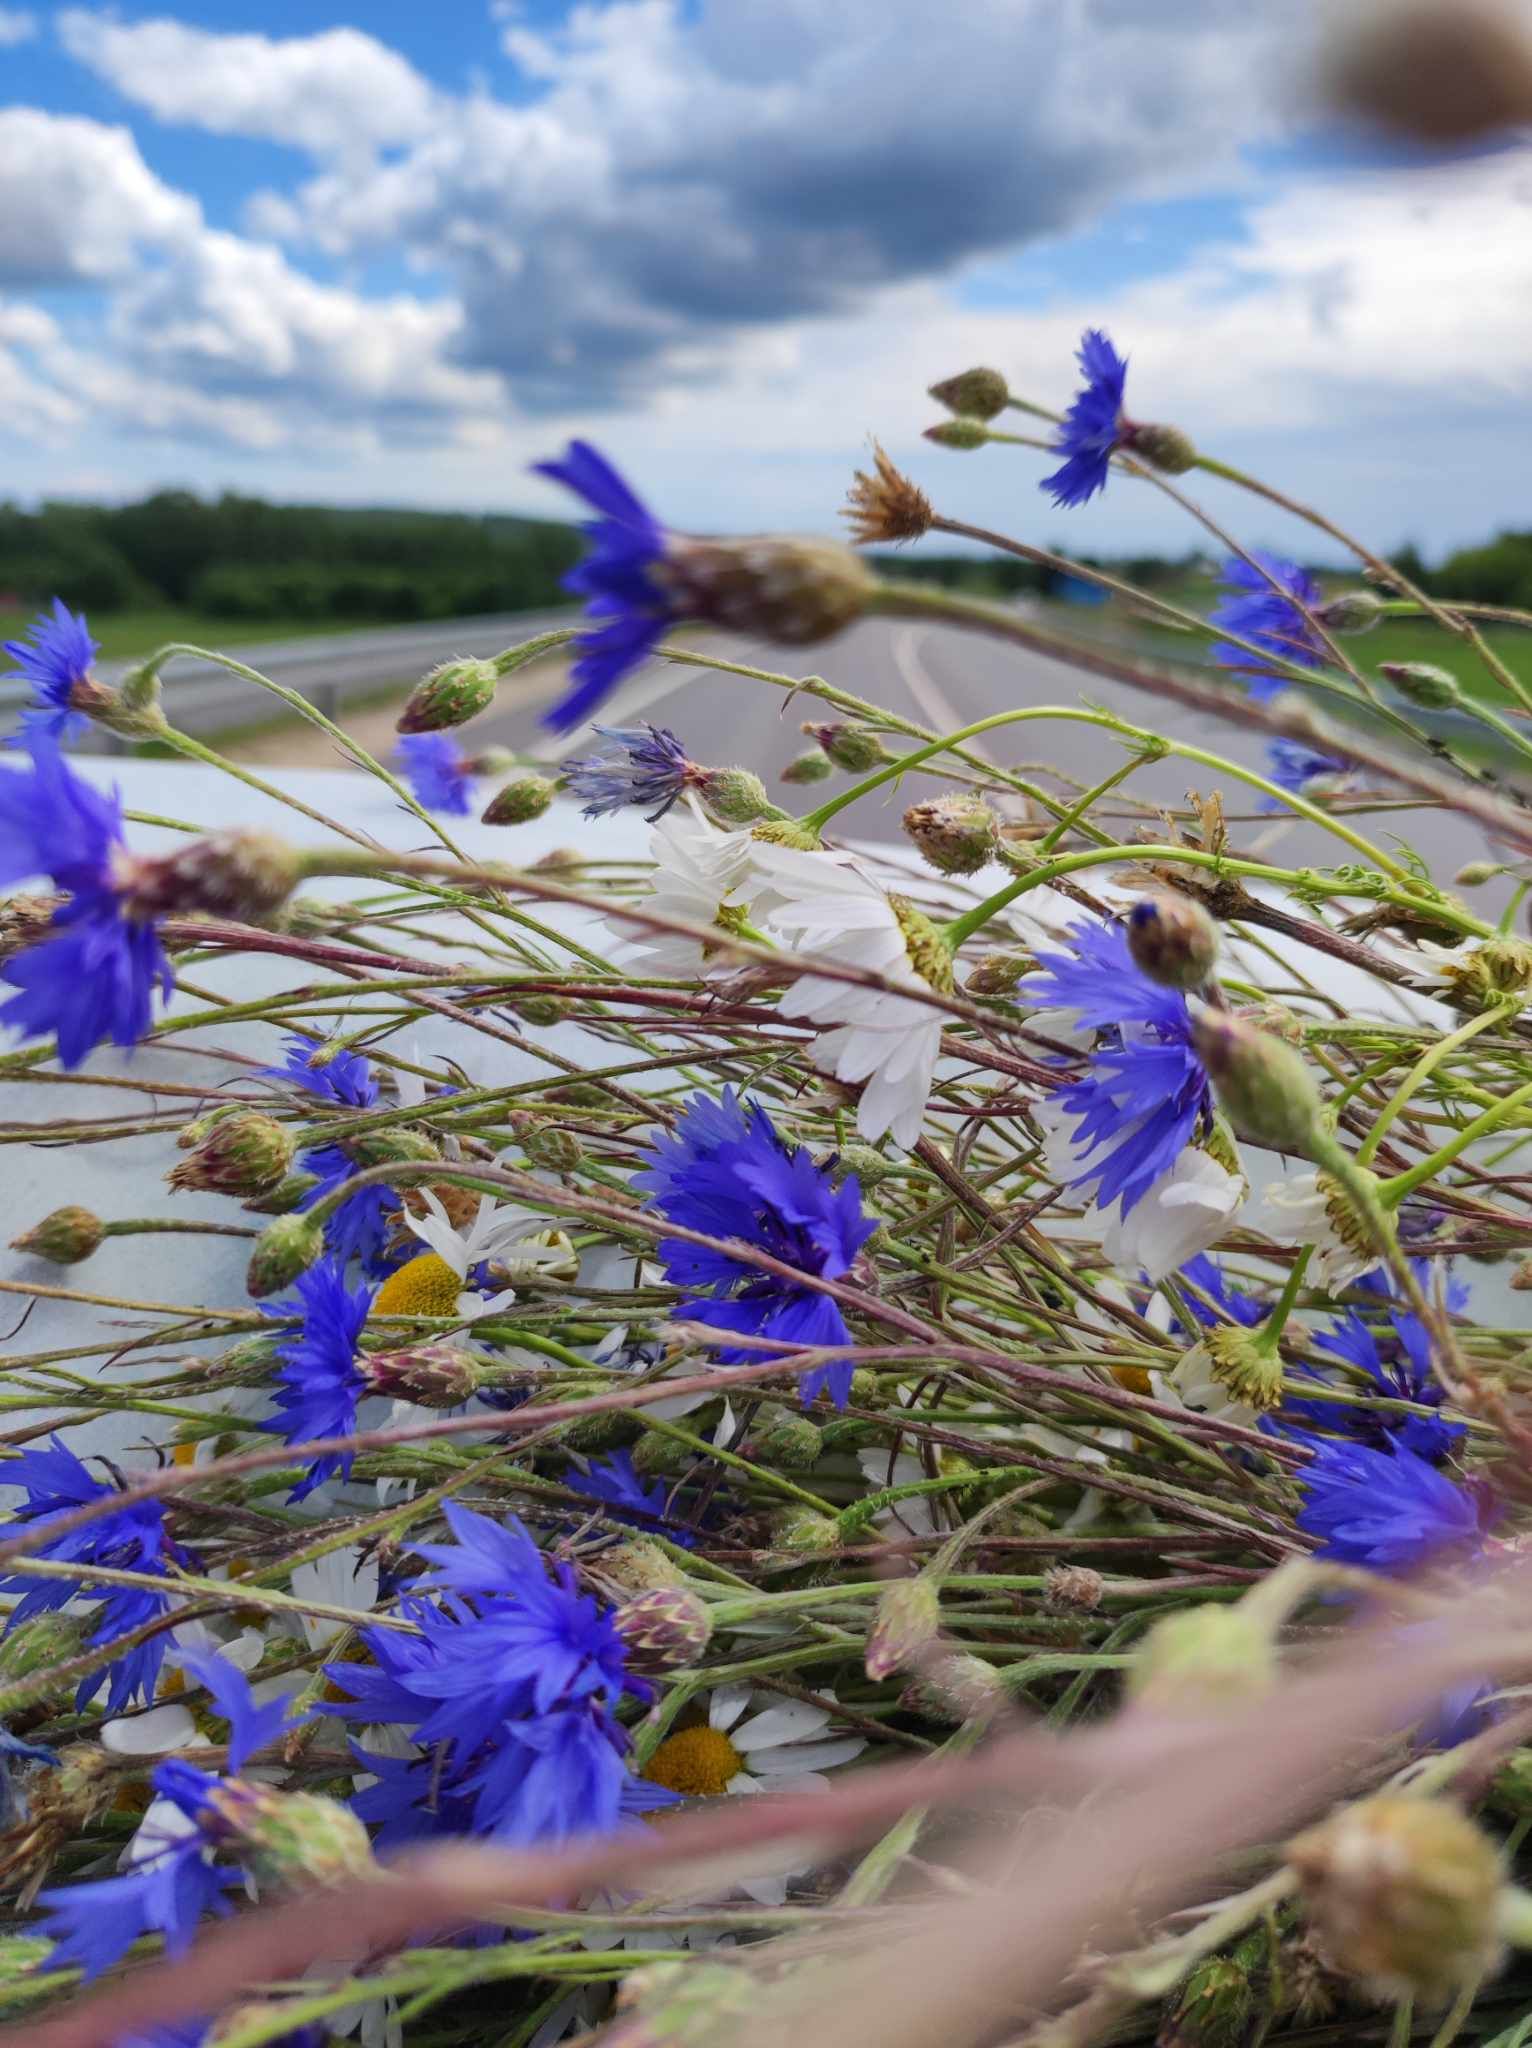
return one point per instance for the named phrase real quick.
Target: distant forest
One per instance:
(241, 558)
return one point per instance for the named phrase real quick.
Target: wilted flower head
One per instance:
(650, 767)
(724, 1171)
(54, 655)
(1261, 608)
(1092, 429)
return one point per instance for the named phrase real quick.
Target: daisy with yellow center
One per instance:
(435, 1282)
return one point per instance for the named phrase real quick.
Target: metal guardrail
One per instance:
(329, 669)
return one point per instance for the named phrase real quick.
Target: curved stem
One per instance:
(1424, 1067)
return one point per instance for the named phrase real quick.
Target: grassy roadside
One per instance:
(124, 635)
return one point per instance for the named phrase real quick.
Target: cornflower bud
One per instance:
(556, 859)
(1212, 2008)
(286, 1195)
(249, 1154)
(1403, 1894)
(778, 1436)
(1203, 1657)
(956, 1688)
(1173, 941)
(885, 506)
(1162, 447)
(1072, 1589)
(551, 1145)
(996, 974)
(36, 1643)
(736, 795)
(435, 1375)
(287, 1247)
(1264, 1086)
(665, 1627)
(958, 433)
(638, 1565)
(401, 1147)
(1423, 683)
(972, 394)
(907, 1622)
(805, 1530)
(64, 1236)
(61, 1804)
(869, 1166)
(519, 802)
(243, 875)
(541, 1010)
(449, 695)
(1475, 873)
(493, 761)
(788, 590)
(814, 766)
(292, 1841)
(856, 748)
(1353, 611)
(193, 1133)
(956, 834)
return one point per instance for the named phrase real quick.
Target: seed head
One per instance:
(1072, 1589)
(885, 506)
(247, 1154)
(956, 834)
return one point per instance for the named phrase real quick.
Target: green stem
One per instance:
(1392, 1192)
(1422, 1070)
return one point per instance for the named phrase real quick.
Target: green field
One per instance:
(126, 634)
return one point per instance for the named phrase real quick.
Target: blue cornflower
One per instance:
(724, 1171)
(1388, 1511)
(320, 1383)
(1145, 1090)
(509, 1687)
(54, 655)
(132, 1538)
(173, 1882)
(627, 608)
(437, 772)
(359, 1228)
(1206, 1291)
(1093, 428)
(1259, 613)
(1399, 1371)
(342, 1076)
(96, 978)
(613, 1482)
(1291, 765)
(655, 771)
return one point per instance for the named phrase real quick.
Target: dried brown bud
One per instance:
(1072, 1589)
(885, 506)
(1443, 72)
(26, 918)
(789, 591)
(957, 834)
(1172, 940)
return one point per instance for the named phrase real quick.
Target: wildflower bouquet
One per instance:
(783, 1316)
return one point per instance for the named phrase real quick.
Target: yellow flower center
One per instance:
(424, 1286)
(698, 1762)
(1134, 1377)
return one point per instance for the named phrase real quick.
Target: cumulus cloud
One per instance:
(676, 176)
(336, 93)
(78, 202)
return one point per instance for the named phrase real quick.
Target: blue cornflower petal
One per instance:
(1257, 612)
(344, 1076)
(320, 1384)
(1291, 765)
(627, 608)
(250, 1727)
(94, 1925)
(53, 655)
(1388, 1511)
(652, 768)
(94, 980)
(724, 1171)
(1205, 1277)
(1093, 427)
(617, 1486)
(438, 774)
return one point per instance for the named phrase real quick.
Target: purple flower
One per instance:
(725, 1172)
(1205, 1290)
(320, 1383)
(54, 655)
(1387, 1511)
(617, 1486)
(627, 608)
(1093, 427)
(131, 1538)
(1393, 1360)
(359, 1228)
(1145, 1091)
(652, 768)
(1267, 616)
(342, 1077)
(438, 774)
(95, 980)
(1291, 765)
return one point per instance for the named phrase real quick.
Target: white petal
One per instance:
(797, 1757)
(150, 1734)
(726, 1705)
(786, 1722)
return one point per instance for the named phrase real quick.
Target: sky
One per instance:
(384, 253)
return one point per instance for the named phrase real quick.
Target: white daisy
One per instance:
(827, 903)
(1192, 1382)
(513, 1239)
(1308, 1208)
(699, 874)
(341, 1578)
(754, 1742)
(1181, 1214)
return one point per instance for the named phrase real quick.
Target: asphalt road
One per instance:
(330, 669)
(943, 678)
